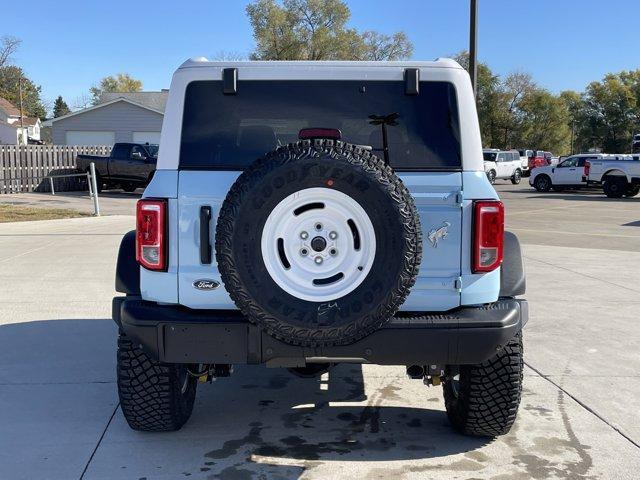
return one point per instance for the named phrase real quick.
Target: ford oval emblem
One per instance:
(206, 284)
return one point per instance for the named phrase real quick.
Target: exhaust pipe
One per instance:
(415, 372)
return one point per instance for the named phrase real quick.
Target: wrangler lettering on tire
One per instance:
(318, 243)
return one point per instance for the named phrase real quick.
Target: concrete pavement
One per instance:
(58, 401)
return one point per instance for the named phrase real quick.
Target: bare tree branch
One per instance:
(8, 46)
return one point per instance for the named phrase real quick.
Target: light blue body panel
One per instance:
(484, 287)
(443, 199)
(162, 287)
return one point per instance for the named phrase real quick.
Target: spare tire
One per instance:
(318, 243)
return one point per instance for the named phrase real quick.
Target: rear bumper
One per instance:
(175, 334)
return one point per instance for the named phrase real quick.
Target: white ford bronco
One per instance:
(305, 214)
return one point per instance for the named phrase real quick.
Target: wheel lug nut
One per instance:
(318, 260)
(333, 251)
(304, 252)
(304, 235)
(333, 235)
(318, 226)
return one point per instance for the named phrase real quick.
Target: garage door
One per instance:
(90, 138)
(146, 137)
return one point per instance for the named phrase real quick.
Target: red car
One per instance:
(540, 159)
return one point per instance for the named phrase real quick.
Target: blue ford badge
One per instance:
(205, 284)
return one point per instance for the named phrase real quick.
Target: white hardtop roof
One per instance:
(200, 62)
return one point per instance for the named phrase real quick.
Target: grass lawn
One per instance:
(20, 213)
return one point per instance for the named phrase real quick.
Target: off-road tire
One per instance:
(485, 399)
(614, 187)
(154, 397)
(632, 191)
(309, 164)
(516, 177)
(491, 175)
(542, 183)
(129, 187)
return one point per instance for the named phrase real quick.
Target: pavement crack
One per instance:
(106, 427)
(584, 405)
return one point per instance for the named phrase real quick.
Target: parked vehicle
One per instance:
(502, 165)
(525, 155)
(551, 158)
(566, 174)
(538, 160)
(130, 165)
(618, 176)
(323, 253)
(635, 144)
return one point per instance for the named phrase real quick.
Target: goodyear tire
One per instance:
(482, 400)
(154, 397)
(318, 243)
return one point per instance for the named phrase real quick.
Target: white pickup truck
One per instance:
(619, 177)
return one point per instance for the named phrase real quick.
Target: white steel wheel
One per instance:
(318, 244)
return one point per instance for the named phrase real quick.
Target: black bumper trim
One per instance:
(176, 334)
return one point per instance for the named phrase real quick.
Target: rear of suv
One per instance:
(305, 214)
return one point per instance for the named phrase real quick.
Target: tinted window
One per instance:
(231, 131)
(152, 149)
(140, 153)
(489, 156)
(120, 152)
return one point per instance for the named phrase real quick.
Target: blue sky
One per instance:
(68, 45)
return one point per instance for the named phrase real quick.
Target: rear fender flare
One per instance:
(127, 268)
(513, 280)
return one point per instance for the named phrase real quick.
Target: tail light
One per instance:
(587, 168)
(488, 235)
(151, 236)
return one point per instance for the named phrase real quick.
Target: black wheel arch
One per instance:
(127, 269)
(513, 280)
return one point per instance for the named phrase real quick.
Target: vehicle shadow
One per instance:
(262, 423)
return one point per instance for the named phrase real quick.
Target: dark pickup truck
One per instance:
(130, 165)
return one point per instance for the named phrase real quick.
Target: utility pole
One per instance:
(21, 114)
(473, 44)
(573, 126)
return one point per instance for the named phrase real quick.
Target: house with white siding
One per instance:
(15, 128)
(119, 117)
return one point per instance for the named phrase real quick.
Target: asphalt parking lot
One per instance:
(59, 415)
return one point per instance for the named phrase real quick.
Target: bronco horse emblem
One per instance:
(438, 233)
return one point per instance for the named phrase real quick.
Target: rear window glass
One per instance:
(230, 131)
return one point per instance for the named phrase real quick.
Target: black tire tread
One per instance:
(150, 392)
(490, 393)
(381, 173)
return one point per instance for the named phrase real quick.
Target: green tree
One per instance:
(60, 107)
(545, 125)
(122, 82)
(610, 112)
(10, 79)
(317, 30)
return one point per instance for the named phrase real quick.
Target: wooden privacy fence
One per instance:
(24, 168)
